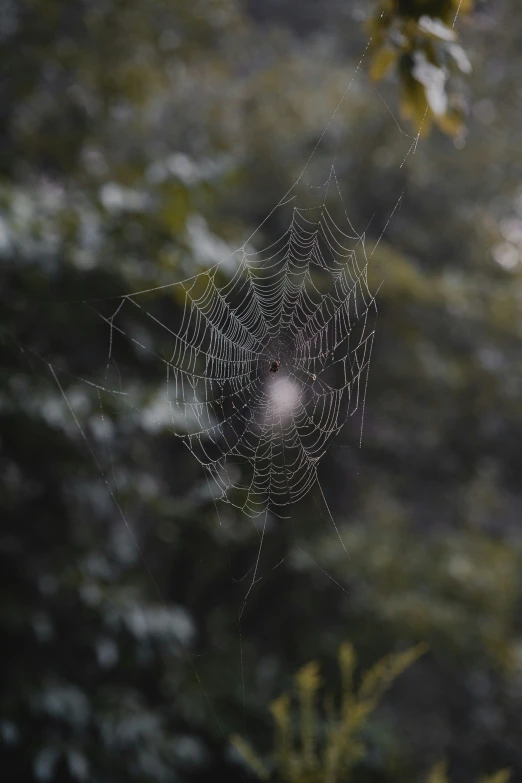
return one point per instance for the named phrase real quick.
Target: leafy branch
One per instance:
(419, 39)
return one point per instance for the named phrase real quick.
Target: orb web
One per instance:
(271, 354)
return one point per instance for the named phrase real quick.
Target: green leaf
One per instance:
(433, 79)
(438, 773)
(414, 106)
(436, 29)
(501, 776)
(382, 62)
(463, 6)
(249, 755)
(451, 123)
(460, 57)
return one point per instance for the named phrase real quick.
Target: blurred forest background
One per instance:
(140, 142)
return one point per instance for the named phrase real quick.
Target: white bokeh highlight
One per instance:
(284, 397)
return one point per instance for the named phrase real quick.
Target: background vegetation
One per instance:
(139, 142)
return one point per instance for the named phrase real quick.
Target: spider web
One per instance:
(271, 355)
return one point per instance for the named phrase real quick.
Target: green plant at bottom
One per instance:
(325, 755)
(313, 746)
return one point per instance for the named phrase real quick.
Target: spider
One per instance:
(274, 365)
